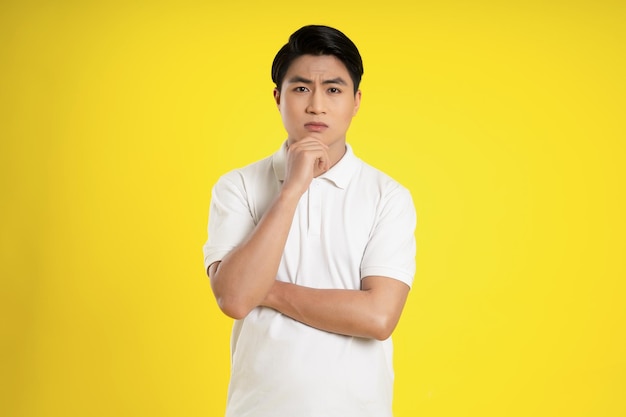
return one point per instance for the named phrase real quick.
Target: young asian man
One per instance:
(312, 251)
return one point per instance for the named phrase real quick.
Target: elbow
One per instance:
(382, 334)
(234, 307)
(382, 327)
(231, 303)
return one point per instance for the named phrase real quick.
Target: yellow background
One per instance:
(504, 119)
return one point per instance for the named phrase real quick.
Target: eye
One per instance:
(334, 90)
(301, 89)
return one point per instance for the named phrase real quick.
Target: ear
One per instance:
(357, 103)
(277, 96)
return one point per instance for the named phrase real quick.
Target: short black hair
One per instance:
(318, 40)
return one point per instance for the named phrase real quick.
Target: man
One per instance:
(312, 251)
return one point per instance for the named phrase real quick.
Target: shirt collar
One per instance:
(340, 174)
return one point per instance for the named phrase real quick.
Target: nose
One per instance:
(316, 103)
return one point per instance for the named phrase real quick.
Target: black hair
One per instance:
(318, 40)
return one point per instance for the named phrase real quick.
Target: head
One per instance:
(317, 76)
(318, 40)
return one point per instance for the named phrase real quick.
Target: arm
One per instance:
(242, 279)
(372, 312)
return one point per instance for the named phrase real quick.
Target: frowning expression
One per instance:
(317, 99)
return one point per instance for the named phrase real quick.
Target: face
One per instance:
(317, 100)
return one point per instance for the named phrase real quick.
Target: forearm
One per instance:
(242, 279)
(372, 312)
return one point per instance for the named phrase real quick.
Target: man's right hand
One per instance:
(306, 159)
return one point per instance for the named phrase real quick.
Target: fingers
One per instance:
(308, 144)
(312, 153)
(322, 164)
(306, 159)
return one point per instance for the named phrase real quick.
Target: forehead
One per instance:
(318, 66)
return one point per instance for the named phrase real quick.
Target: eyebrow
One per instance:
(298, 79)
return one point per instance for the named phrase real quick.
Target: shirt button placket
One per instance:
(315, 208)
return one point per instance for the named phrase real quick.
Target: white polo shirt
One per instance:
(354, 221)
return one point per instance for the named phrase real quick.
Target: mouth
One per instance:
(316, 126)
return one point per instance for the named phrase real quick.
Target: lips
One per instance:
(316, 126)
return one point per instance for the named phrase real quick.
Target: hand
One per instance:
(306, 159)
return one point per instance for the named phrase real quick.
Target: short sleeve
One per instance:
(230, 218)
(390, 251)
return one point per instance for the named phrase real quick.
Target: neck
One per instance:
(336, 152)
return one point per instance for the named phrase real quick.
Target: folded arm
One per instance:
(372, 312)
(242, 279)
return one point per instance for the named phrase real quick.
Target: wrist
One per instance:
(290, 195)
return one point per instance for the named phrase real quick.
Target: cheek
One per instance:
(348, 114)
(288, 110)
(288, 117)
(348, 109)
(284, 111)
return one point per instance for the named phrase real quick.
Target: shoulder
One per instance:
(374, 182)
(250, 188)
(247, 175)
